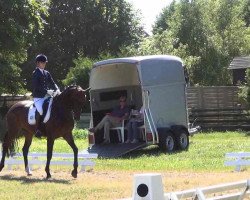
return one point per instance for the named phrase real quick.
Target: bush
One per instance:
(244, 93)
(80, 133)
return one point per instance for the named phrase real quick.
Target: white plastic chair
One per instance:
(120, 131)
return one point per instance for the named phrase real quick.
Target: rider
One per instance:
(43, 86)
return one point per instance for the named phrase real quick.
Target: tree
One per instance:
(244, 93)
(162, 21)
(246, 11)
(20, 22)
(76, 27)
(79, 73)
(206, 34)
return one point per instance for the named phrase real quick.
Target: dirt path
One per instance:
(115, 184)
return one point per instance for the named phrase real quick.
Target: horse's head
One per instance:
(76, 98)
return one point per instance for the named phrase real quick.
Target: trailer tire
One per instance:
(167, 142)
(182, 140)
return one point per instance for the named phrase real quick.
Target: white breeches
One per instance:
(39, 104)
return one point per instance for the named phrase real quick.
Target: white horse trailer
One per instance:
(155, 82)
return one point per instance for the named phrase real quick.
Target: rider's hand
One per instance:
(50, 92)
(57, 92)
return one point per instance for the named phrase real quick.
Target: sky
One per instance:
(149, 9)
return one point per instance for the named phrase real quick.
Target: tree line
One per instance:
(206, 34)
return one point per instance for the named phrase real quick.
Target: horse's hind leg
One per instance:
(4, 152)
(26, 146)
(70, 140)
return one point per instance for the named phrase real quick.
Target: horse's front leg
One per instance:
(50, 144)
(26, 147)
(69, 138)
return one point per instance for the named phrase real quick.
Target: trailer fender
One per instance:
(177, 128)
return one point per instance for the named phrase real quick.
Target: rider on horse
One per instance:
(43, 86)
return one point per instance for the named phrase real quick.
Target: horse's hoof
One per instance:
(29, 174)
(1, 167)
(74, 173)
(28, 171)
(48, 176)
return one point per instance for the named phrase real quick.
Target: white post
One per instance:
(148, 187)
(199, 194)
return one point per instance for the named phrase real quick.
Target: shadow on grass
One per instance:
(153, 150)
(29, 180)
(247, 134)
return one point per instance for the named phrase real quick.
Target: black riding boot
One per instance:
(38, 133)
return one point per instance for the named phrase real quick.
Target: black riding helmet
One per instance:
(41, 58)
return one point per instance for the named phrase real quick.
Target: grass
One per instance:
(206, 153)
(112, 178)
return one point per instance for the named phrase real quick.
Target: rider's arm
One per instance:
(52, 82)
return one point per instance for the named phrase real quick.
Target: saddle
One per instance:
(47, 105)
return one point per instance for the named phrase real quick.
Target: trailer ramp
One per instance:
(114, 150)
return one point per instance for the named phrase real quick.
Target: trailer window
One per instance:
(113, 95)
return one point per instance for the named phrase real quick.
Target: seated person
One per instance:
(113, 119)
(133, 124)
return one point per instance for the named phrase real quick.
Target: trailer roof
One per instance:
(137, 59)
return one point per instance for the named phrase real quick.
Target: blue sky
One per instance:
(149, 9)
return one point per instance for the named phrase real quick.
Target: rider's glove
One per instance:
(50, 92)
(57, 92)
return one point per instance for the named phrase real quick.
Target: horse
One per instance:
(66, 108)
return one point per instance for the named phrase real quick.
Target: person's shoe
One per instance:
(92, 130)
(127, 141)
(134, 141)
(38, 134)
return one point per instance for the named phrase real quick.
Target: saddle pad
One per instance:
(47, 116)
(32, 115)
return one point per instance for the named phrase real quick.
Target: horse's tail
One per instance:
(9, 144)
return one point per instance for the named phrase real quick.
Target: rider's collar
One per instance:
(41, 70)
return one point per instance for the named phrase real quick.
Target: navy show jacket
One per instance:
(41, 83)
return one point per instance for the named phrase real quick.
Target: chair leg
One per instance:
(119, 135)
(143, 134)
(122, 133)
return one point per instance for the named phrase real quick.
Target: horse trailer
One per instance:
(158, 83)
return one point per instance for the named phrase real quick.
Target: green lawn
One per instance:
(202, 164)
(206, 153)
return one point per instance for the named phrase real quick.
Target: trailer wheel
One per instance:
(182, 140)
(167, 142)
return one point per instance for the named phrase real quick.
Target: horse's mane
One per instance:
(60, 96)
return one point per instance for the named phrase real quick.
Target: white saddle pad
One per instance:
(47, 116)
(32, 113)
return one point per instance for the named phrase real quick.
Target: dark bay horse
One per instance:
(65, 108)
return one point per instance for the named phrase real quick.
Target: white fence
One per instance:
(216, 192)
(150, 187)
(84, 159)
(237, 159)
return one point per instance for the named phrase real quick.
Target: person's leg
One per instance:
(136, 130)
(106, 136)
(39, 105)
(38, 102)
(129, 131)
(100, 125)
(107, 122)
